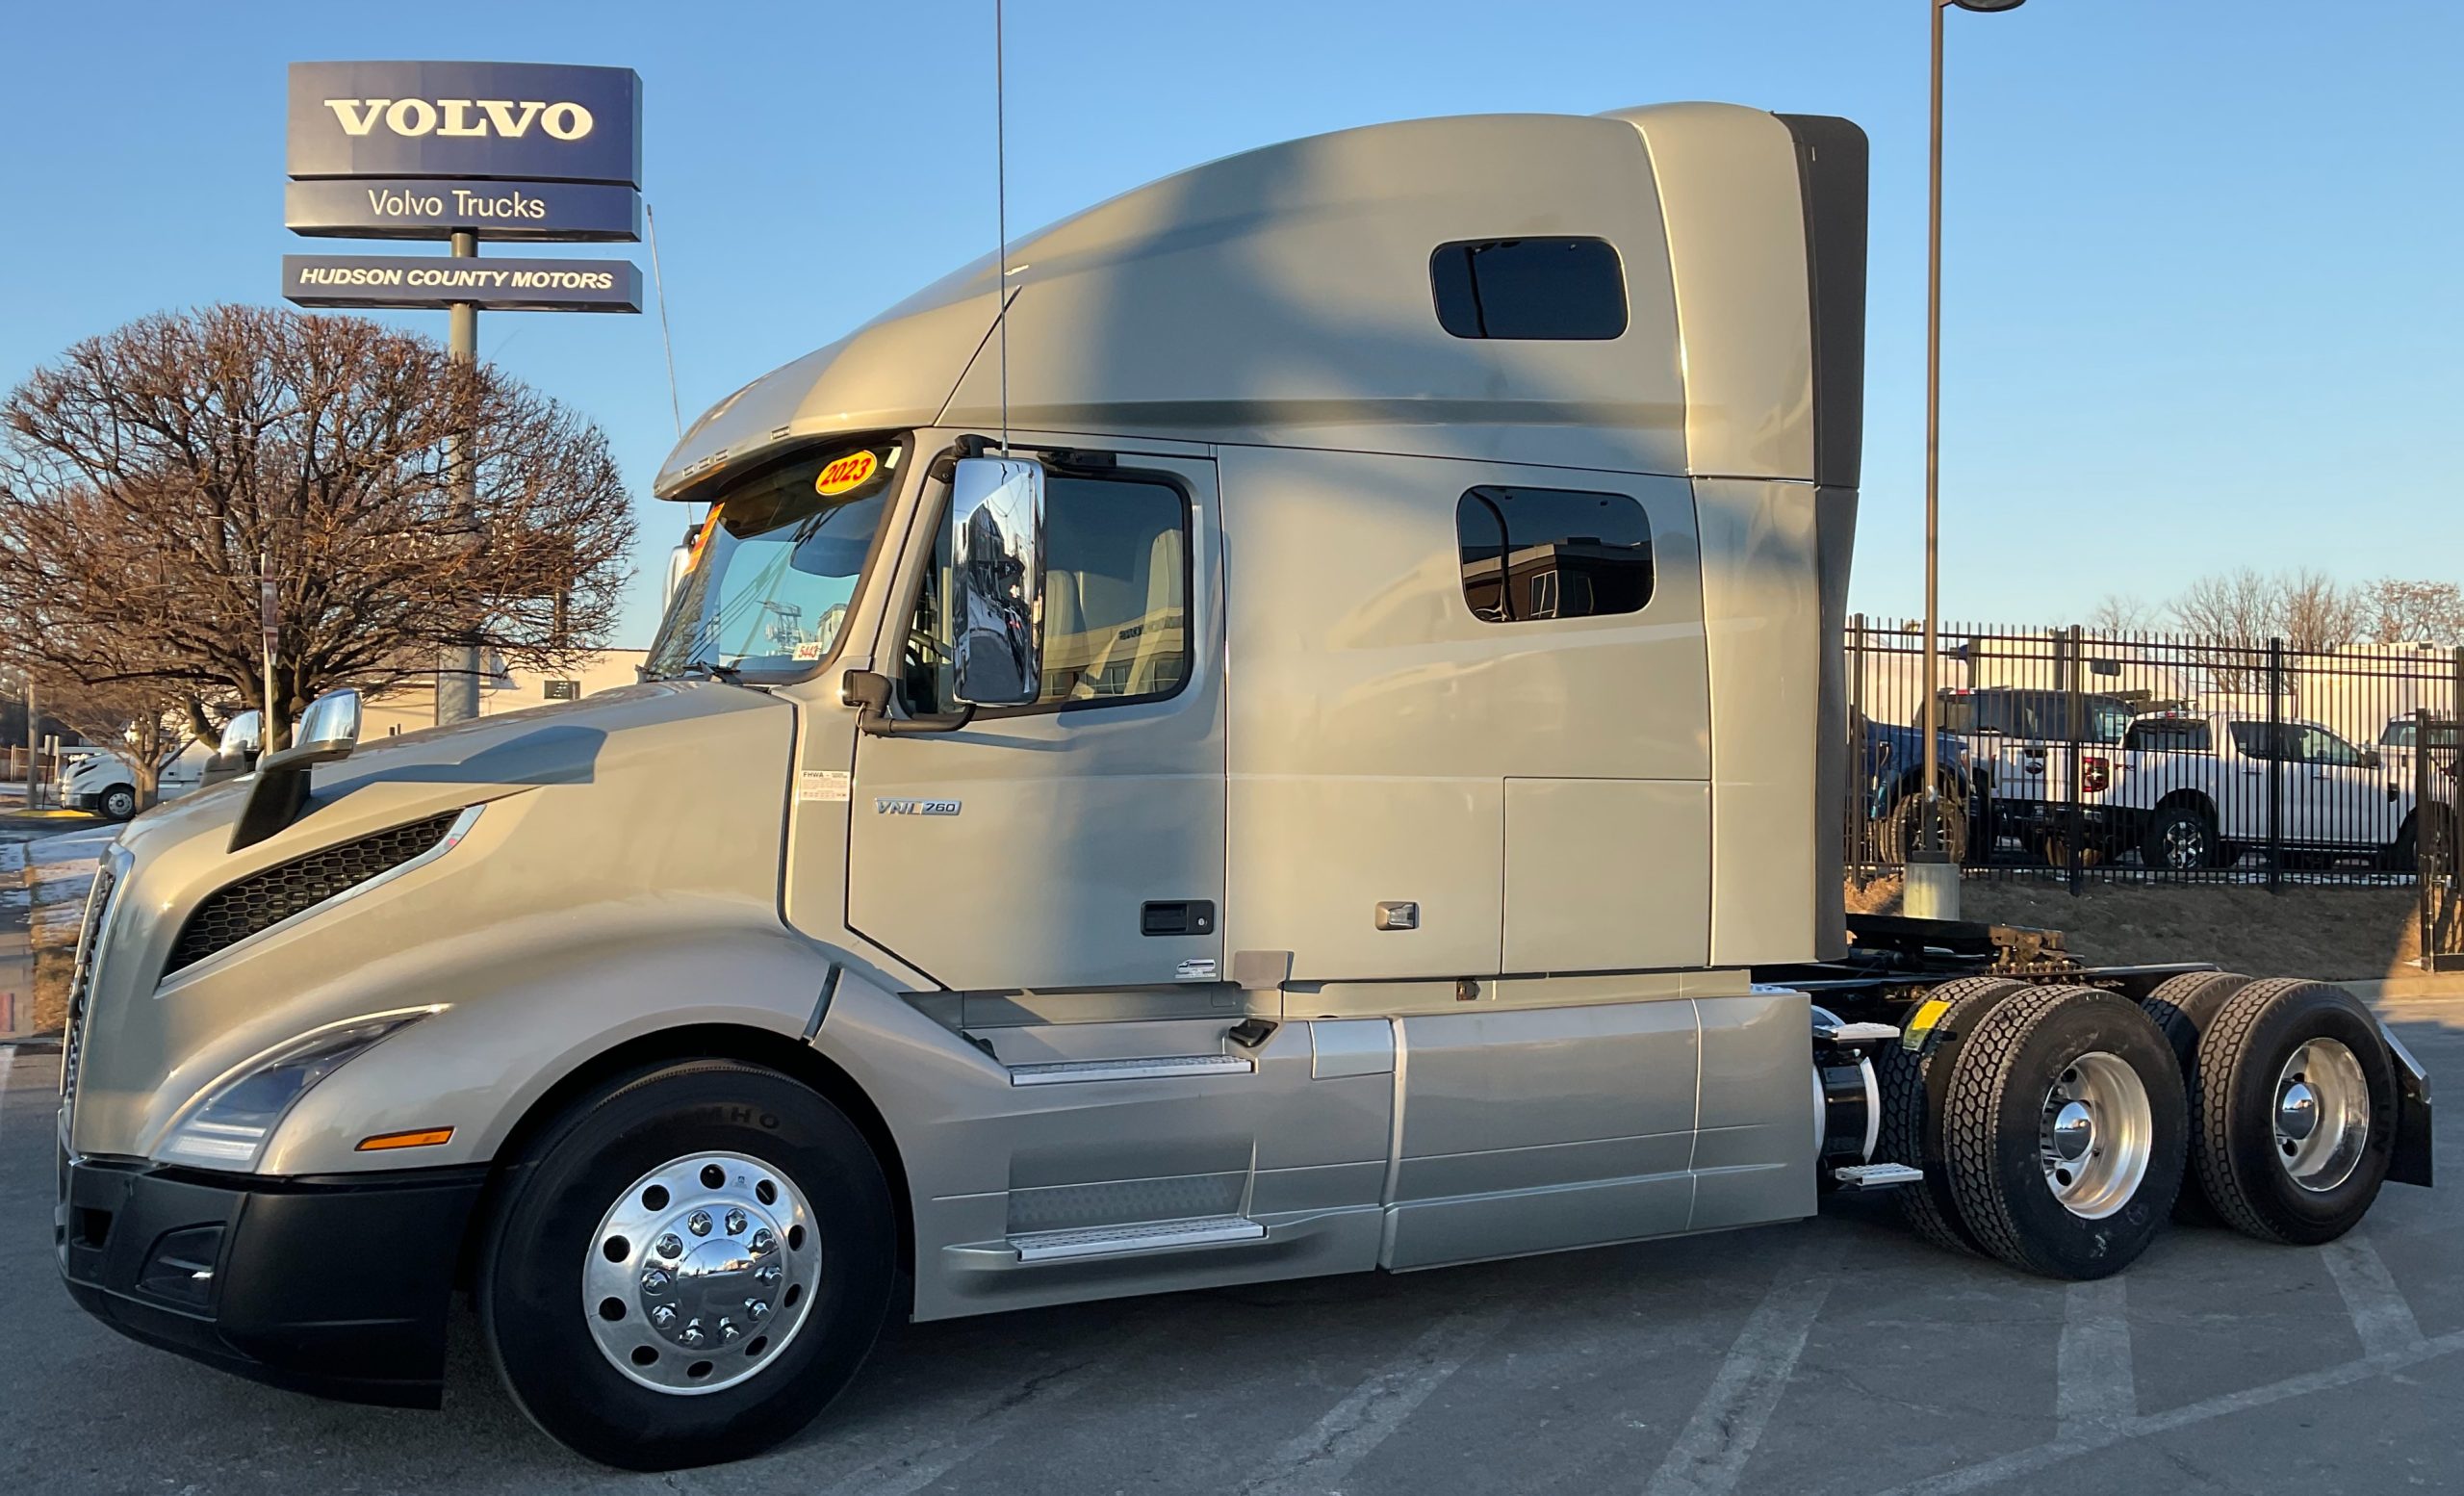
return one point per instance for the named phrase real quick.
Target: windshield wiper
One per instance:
(713, 669)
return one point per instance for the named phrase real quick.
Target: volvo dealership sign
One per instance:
(515, 121)
(530, 153)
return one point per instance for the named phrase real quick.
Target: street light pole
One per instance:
(1932, 883)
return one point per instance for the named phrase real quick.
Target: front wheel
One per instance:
(687, 1266)
(117, 803)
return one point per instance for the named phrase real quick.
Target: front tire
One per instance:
(2295, 1098)
(2065, 1133)
(117, 803)
(687, 1193)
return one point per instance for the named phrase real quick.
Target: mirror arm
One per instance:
(280, 791)
(868, 691)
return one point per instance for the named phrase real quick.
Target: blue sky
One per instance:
(2201, 302)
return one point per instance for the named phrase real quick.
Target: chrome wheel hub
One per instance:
(700, 1272)
(2096, 1136)
(2185, 846)
(2321, 1115)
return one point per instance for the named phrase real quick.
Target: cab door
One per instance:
(1076, 841)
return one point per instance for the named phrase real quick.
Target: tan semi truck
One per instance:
(1299, 730)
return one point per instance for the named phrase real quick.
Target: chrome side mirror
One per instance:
(330, 726)
(243, 736)
(996, 580)
(680, 562)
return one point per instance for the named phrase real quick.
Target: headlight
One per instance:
(228, 1126)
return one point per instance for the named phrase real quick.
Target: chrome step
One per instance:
(1105, 1241)
(1876, 1176)
(1155, 1067)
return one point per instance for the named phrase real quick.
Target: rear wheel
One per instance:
(2181, 840)
(1900, 829)
(688, 1265)
(2065, 1133)
(2183, 1006)
(2404, 853)
(2294, 1097)
(1907, 1135)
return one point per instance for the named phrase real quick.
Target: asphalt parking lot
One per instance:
(1831, 1357)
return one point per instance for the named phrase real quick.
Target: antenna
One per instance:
(675, 407)
(1001, 217)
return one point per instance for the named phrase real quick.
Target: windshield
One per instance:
(777, 564)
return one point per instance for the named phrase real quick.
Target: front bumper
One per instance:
(337, 1286)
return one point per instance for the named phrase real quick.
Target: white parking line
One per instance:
(1319, 1458)
(2094, 1385)
(2381, 1316)
(2087, 1440)
(1711, 1449)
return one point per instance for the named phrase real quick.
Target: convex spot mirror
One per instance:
(330, 726)
(996, 580)
(243, 736)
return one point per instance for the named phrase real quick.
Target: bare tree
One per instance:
(149, 473)
(2316, 612)
(2413, 612)
(2122, 612)
(2233, 614)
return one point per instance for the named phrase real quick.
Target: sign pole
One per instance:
(269, 627)
(457, 675)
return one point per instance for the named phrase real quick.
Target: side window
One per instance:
(2253, 741)
(2169, 736)
(2317, 745)
(1115, 606)
(1564, 289)
(1532, 553)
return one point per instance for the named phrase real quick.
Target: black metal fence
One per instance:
(2083, 755)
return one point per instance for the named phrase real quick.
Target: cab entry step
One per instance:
(1104, 1240)
(1153, 1067)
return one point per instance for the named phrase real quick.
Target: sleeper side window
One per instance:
(1116, 604)
(1533, 553)
(1564, 289)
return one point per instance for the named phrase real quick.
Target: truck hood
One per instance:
(665, 789)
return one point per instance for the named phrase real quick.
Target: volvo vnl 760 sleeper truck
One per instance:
(1342, 770)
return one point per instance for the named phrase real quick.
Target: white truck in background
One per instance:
(104, 782)
(2194, 789)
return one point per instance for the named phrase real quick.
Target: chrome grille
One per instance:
(81, 975)
(262, 900)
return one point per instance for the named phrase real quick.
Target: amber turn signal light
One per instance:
(418, 1137)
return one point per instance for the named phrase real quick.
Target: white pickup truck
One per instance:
(2191, 790)
(106, 781)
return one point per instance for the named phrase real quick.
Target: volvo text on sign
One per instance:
(434, 208)
(514, 122)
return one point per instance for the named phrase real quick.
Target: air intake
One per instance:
(260, 901)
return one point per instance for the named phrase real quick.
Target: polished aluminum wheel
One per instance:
(2096, 1134)
(2321, 1115)
(700, 1272)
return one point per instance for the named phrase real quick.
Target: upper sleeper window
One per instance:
(1529, 287)
(1552, 552)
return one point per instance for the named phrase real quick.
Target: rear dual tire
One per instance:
(2294, 1094)
(2065, 1133)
